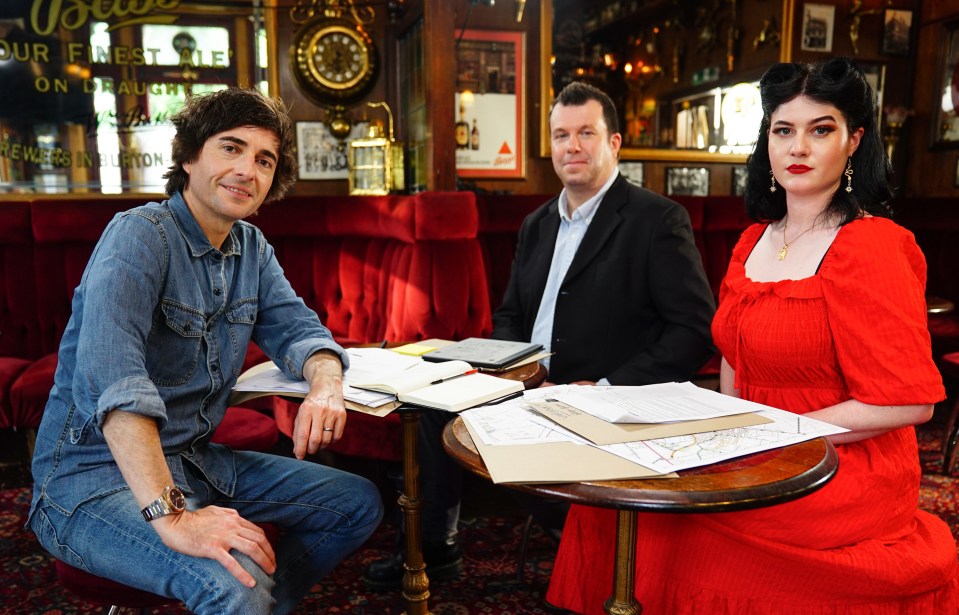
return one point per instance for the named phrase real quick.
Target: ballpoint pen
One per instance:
(504, 398)
(467, 373)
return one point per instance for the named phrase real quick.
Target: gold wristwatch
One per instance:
(171, 502)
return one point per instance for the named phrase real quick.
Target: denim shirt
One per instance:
(160, 326)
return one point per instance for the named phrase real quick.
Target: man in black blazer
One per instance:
(632, 306)
(607, 277)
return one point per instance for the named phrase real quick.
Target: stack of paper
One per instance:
(554, 435)
(378, 380)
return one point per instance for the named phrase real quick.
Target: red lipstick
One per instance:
(798, 169)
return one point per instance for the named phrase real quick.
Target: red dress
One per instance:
(855, 329)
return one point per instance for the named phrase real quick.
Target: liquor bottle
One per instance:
(474, 136)
(462, 131)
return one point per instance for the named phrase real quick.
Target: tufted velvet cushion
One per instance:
(500, 217)
(10, 370)
(17, 283)
(366, 436)
(724, 220)
(244, 429)
(29, 393)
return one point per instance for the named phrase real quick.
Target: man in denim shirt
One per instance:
(128, 485)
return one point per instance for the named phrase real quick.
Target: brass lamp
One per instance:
(376, 161)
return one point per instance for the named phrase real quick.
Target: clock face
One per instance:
(334, 61)
(340, 58)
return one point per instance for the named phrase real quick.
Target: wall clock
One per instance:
(334, 61)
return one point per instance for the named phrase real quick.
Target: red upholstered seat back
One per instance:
(17, 283)
(500, 217)
(724, 220)
(936, 226)
(65, 232)
(399, 268)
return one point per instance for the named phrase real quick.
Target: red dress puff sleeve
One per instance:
(873, 283)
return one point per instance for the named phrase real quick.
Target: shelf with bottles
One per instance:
(715, 118)
(721, 119)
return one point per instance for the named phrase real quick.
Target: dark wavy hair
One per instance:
(841, 83)
(578, 93)
(206, 115)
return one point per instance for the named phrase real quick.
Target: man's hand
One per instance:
(322, 416)
(212, 532)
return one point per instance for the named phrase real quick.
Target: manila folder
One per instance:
(556, 462)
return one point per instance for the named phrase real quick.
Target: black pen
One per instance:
(504, 398)
(472, 371)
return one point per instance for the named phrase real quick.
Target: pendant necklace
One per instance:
(783, 250)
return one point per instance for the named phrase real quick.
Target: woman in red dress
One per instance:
(821, 313)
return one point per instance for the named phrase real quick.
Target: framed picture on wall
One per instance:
(689, 181)
(490, 104)
(739, 181)
(945, 99)
(896, 32)
(818, 23)
(320, 155)
(633, 171)
(876, 77)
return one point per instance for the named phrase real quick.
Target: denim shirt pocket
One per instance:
(176, 338)
(241, 316)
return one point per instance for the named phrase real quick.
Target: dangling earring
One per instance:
(848, 174)
(772, 181)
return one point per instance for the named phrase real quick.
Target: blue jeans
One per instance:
(323, 514)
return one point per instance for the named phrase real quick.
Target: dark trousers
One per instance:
(441, 486)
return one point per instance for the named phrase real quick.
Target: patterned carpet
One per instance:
(28, 583)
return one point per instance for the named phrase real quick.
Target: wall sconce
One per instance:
(376, 161)
(895, 119)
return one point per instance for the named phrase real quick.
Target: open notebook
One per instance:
(452, 386)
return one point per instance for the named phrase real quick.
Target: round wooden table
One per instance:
(761, 479)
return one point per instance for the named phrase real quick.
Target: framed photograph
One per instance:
(876, 77)
(689, 181)
(739, 181)
(320, 155)
(490, 103)
(818, 23)
(896, 32)
(633, 171)
(945, 112)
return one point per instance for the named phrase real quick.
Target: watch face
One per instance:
(334, 60)
(177, 499)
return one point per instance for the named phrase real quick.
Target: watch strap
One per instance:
(162, 506)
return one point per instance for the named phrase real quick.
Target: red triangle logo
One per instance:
(505, 148)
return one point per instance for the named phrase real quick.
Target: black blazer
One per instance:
(634, 306)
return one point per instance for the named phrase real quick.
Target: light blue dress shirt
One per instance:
(572, 229)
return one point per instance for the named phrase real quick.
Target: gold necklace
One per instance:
(783, 250)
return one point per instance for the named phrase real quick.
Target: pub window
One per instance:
(86, 106)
